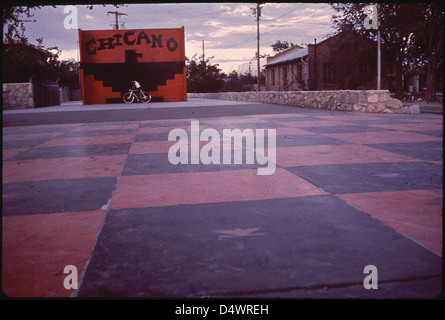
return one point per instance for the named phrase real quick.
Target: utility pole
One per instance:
(257, 12)
(116, 15)
(203, 54)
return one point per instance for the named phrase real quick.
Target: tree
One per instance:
(67, 73)
(242, 82)
(409, 31)
(22, 60)
(428, 42)
(203, 76)
(280, 46)
(13, 23)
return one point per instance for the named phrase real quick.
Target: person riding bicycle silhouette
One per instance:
(136, 86)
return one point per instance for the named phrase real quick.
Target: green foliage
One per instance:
(238, 83)
(13, 23)
(280, 46)
(203, 76)
(411, 35)
(22, 60)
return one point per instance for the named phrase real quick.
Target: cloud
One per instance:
(231, 31)
(239, 10)
(228, 29)
(69, 55)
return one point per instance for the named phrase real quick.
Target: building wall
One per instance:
(281, 77)
(338, 63)
(18, 95)
(110, 59)
(344, 61)
(373, 101)
(290, 76)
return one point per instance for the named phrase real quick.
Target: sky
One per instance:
(229, 30)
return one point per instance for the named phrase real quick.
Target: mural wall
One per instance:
(110, 59)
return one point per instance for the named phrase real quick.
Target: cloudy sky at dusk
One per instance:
(227, 29)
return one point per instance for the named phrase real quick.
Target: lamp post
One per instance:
(379, 58)
(372, 22)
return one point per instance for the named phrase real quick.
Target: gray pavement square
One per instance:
(427, 150)
(247, 248)
(343, 129)
(158, 163)
(18, 144)
(433, 133)
(56, 196)
(373, 177)
(307, 140)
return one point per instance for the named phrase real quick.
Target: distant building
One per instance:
(343, 61)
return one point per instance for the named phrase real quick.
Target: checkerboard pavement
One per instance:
(349, 190)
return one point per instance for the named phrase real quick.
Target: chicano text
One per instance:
(129, 38)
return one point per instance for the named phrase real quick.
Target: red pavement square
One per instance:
(36, 249)
(30, 136)
(334, 154)
(281, 115)
(415, 213)
(151, 147)
(166, 121)
(252, 120)
(12, 152)
(208, 187)
(35, 131)
(107, 127)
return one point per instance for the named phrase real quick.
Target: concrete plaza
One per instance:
(92, 187)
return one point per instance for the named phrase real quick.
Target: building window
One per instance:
(299, 73)
(328, 73)
(273, 77)
(285, 78)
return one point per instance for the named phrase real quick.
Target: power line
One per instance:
(237, 44)
(116, 15)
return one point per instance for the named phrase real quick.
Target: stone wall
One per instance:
(18, 96)
(375, 101)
